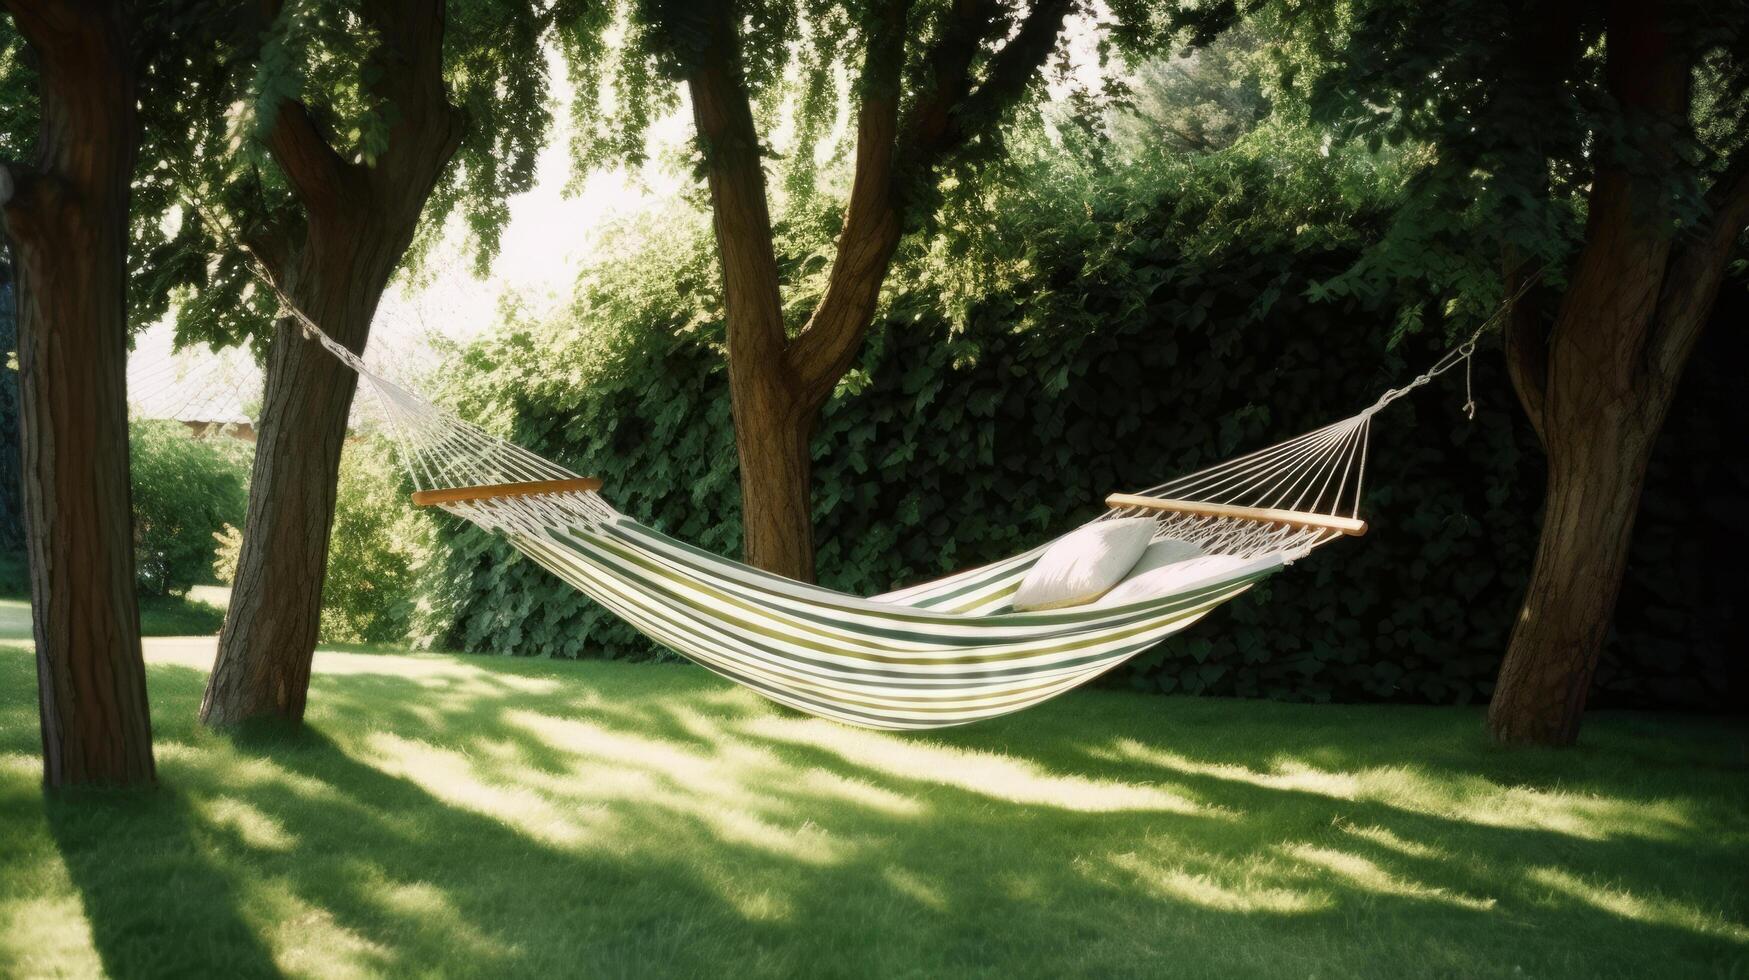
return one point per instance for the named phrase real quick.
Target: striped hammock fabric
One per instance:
(943, 653)
(946, 654)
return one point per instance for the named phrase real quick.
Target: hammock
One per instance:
(944, 653)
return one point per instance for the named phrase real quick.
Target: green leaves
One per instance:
(380, 550)
(185, 492)
(1126, 349)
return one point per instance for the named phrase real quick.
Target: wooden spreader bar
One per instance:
(1265, 515)
(493, 491)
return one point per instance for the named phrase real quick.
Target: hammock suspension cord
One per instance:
(942, 653)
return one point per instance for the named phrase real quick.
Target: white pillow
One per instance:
(1083, 564)
(1162, 553)
(1165, 580)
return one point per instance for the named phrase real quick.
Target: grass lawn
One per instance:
(196, 615)
(469, 816)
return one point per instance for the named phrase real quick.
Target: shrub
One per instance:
(185, 490)
(228, 551)
(376, 551)
(1116, 335)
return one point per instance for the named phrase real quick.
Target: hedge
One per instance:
(1116, 348)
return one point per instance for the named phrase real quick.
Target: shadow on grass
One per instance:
(524, 817)
(156, 903)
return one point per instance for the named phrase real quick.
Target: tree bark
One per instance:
(1599, 391)
(360, 221)
(777, 384)
(1596, 470)
(67, 221)
(771, 431)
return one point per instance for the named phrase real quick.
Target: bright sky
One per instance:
(550, 237)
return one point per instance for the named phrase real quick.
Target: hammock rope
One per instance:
(942, 653)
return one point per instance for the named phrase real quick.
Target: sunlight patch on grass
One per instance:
(44, 932)
(1654, 910)
(1250, 893)
(1480, 801)
(1383, 837)
(1367, 875)
(720, 789)
(833, 786)
(1287, 774)
(18, 764)
(213, 760)
(808, 843)
(1472, 799)
(451, 777)
(987, 774)
(763, 905)
(255, 828)
(913, 886)
(306, 939)
(427, 908)
(728, 774)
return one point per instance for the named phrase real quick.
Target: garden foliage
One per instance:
(185, 491)
(376, 551)
(1106, 332)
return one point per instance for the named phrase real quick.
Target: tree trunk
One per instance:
(772, 433)
(1599, 387)
(67, 219)
(1596, 470)
(777, 384)
(776, 487)
(360, 221)
(270, 631)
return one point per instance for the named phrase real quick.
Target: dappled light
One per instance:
(1226, 893)
(974, 489)
(511, 816)
(986, 774)
(1369, 876)
(1652, 909)
(1462, 797)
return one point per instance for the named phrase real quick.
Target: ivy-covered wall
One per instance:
(1109, 357)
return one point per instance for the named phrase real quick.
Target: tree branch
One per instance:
(408, 65)
(954, 112)
(950, 63)
(892, 170)
(824, 349)
(723, 120)
(1011, 71)
(1697, 269)
(317, 173)
(1527, 341)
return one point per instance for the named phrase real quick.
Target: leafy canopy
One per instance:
(212, 73)
(1504, 109)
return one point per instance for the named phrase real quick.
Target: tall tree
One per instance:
(357, 221)
(1598, 383)
(367, 122)
(1605, 143)
(65, 215)
(935, 85)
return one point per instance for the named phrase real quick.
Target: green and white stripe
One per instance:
(945, 653)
